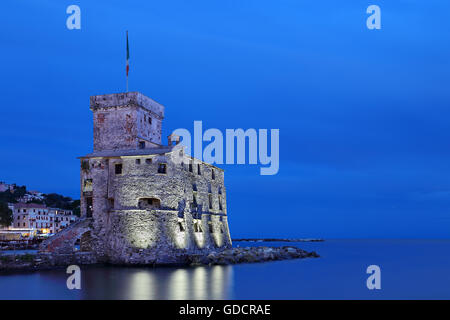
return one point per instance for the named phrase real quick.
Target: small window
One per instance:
(220, 190)
(118, 168)
(220, 203)
(87, 187)
(194, 199)
(141, 144)
(148, 161)
(190, 167)
(209, 188)
(198, 169)
(194, 187)
(210, 201)
(111, 203)
(162, 168)
(211, 229)
(138, 161)
(180, 225)
(150, 120)
(213, 175)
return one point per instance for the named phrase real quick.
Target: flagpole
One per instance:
(128, 58)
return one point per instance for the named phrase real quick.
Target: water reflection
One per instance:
(158, 283)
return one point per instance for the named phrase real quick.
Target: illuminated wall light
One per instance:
(217, 235)
(180, 237)
(199, 236)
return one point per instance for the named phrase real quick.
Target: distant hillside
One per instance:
(53, 200)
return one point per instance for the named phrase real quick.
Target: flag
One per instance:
(128, 56)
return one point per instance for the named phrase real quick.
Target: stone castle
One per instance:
(142, 202)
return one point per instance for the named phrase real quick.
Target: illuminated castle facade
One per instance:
(142, 202)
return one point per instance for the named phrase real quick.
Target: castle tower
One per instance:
(142, 202)
(126, 121)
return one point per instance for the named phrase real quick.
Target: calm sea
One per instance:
(410, 269)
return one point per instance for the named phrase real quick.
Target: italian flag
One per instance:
(128, 56)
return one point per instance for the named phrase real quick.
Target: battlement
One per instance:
(125, 99)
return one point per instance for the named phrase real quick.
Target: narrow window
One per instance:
(209, 188)
(213, 175)
(118, 168)
(210, 200)
(220, 190)
(162, 168)
(87, 187)
(198, 169)
(89, 207)
(211, 229)
(194, 199)
(148, 161)
(194, 187)
(111, 203)
(220, 203)
(149, 120)
(180, 225)
(138, 161)
(141, 144)
(190, 167)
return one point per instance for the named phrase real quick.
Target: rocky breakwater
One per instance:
(252, 255)
(43, 261)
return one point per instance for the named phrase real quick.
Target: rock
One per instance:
(252, 255)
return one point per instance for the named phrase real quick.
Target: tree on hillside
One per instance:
(75, 206)
(54, 200)
(6, 216)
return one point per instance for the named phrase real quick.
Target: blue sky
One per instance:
(363, 114)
